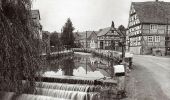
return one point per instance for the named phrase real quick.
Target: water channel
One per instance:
(80, 66)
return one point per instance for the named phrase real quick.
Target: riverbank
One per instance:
(57, 55)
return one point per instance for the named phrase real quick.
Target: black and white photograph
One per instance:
(84, 49)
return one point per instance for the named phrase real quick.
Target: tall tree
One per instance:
(18, 47)
(67, 36)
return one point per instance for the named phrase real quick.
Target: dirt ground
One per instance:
(149, 79)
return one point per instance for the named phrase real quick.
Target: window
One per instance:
(153, 27)
(157, 38)
(150, 38)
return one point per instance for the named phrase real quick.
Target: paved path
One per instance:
(150, 78)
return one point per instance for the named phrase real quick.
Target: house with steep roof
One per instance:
(149, 27)
(108, 38)
(87, 39)
(93, 40)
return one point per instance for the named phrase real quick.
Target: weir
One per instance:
(13, 96)
(68, 87)
(72, 95)
(78, 78)
(75, 80)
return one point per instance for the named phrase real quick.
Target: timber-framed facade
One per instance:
(149, 27)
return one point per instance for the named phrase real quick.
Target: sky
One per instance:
(86, 15)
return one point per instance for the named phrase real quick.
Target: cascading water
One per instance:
(13, 96)
(72, 95)
(68, 87)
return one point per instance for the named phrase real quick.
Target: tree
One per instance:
(122, 30)
(67, 37)
(55, 41)
(19, 52)
(46, 42)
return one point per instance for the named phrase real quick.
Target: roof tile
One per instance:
(153, 12)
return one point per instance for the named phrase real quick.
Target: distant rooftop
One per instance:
(105, 30)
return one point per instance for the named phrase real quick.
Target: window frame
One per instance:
(150, 37)
(157, 38)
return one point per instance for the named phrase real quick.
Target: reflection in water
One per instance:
(67, 66)
(81, 66)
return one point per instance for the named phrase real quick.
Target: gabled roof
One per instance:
(153, 12)
(83, 34)
(105, 31)
(76, 36)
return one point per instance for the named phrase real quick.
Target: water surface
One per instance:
(83, 65)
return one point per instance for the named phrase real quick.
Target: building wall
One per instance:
(106, 41)
(93, 44)
(145, 37)
(93, 40)
(152, 36)
(85, 44)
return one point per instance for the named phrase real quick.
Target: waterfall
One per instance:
(72, 95)
(13, 96)
(50, 94)
(68, 87)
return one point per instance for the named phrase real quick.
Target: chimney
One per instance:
(113, 25)
(157, 0)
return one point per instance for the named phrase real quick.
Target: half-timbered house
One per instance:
(108, 38)
(149, 27)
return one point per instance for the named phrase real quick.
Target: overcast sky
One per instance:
(85, 14)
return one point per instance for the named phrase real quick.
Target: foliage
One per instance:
(122, 30)
(68, 66)
(55, 41)
(45, 42)
(19, 53)
(67, 37)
